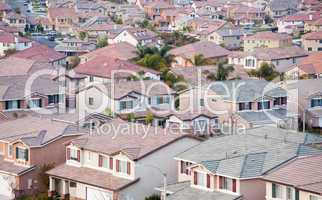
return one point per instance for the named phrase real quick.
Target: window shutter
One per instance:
(297, 194)
(111, 163)
(68, 154)
(273, 190)
(195, 178)
(128, 168)
(208, 181)
(100, 160)
(181, 166)
(220, 182)
(117, 165)
(234, 185)
(26, 154)
(17, 152)
(78, 155)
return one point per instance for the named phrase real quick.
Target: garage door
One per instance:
(6, 183)
(96, 194)
(320, 121)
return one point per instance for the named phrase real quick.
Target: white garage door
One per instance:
(95, 194)
(320, 121)
(6, 184)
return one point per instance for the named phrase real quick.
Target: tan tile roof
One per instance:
(91, 176)
(303, 172)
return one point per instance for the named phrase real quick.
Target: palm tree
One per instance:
(153, 61)
(223, 72)
(198, 60)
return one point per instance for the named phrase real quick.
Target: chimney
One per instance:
(310, 17)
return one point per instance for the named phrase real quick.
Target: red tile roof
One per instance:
(122, 51)
(266, 35)
(313, 36)
(105, 66)
(40, 52)
(6, 37)
(312, 64)
(206, 48)
(303, 173)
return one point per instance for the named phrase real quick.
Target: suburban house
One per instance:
(234, 164)
(248, 102)
(281, 8)
(243, 15)
(230, 38)
(154, 9)
(312, 26)
(15, 95)
(105, 69)
(123, 98)
(312, 41)
(75, 46)
(284, 182)
(26, 145)
(15, 20)
(130, 164)
(8, 41)
(281, 58)
(135, 36)
(306, 101)
(183, 56)
(62, 19)
(294, 23)
(197, 123)
(267, 40)
(40, 52)
(308, 67)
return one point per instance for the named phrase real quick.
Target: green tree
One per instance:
(130, 117)
(199, 60)
(223, 72)
(102, 42)
(153, 61)
(153, 197)
(149, 118)
(266, 71)
(43, 177)
(9, 52)
(72, 62)
(82, 35)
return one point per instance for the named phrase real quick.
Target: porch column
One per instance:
(65, 189)
(51, 186)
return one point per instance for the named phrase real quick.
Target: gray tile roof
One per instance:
(247, 90)
(13, 87)
(264, 117)
(183, 191)
(251, 154)
(37, 131)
